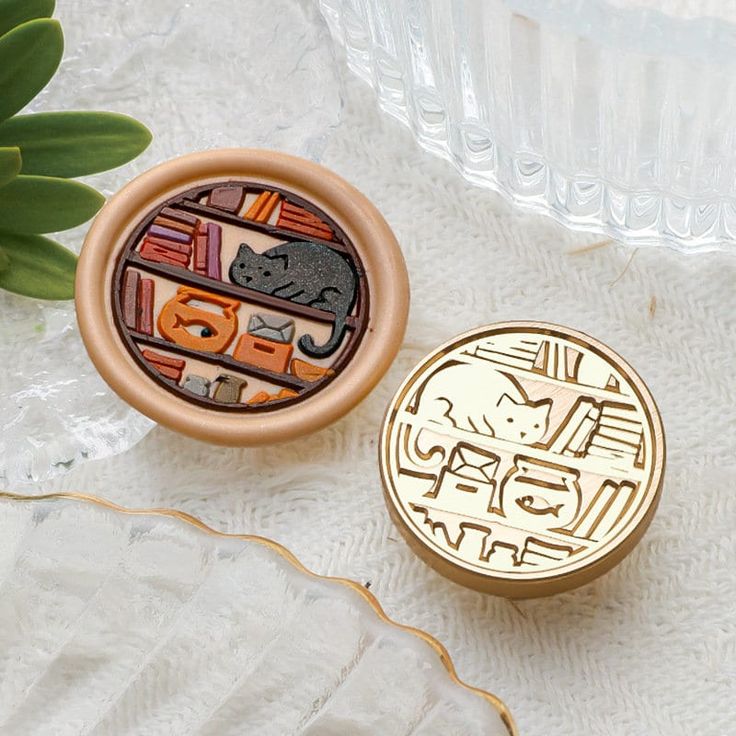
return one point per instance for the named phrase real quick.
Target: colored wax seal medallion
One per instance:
(241, 296)
(522, 459)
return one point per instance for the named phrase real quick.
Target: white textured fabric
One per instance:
(650, 648)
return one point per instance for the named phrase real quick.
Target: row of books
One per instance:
(174, 237)
(270, 208)
(546, 358)
(607, 429)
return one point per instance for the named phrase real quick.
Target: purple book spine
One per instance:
(157, 231)
(214, 241)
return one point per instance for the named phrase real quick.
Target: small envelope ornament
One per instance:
(473, 463)
(467, 481)
(271, 327)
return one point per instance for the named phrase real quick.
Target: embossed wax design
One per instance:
(240, 296)
(522, 452)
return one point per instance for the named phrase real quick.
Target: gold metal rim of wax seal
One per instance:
(522, 459)
(241, 296)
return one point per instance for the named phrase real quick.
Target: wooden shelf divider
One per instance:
(613, 470)
(226, 361)
(197, 208)
(580, 388)
(185, 276)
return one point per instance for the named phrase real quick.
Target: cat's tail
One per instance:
(308, 346)
(427, 458)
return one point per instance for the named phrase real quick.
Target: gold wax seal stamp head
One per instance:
(522, 459)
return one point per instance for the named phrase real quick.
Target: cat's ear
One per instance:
(506, 400)
(543, 408)
(245, 250)
(281, 259)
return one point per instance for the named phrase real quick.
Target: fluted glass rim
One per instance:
(638, 29)
(198, 526)
(618, 178)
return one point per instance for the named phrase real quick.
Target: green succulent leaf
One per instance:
(74, 143)
(15, 12)
(10, 164)
(44, 204)
(38, 267)
(4, 260)
(29, 56)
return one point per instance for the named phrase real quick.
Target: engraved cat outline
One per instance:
(302, 272)
(490, 402)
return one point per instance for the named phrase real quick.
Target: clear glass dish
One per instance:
(133, 622)
(231, 73)
(613, 116)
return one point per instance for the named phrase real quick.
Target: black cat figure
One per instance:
(304, 273)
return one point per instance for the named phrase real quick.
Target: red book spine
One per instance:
(145, 306)
(300, 220)
(181, 227)
(130, 298)
(172, 214)
(181, 248)
(160, 254)
(172, 368)
(200, 250)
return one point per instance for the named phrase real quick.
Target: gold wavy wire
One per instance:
(371, 599)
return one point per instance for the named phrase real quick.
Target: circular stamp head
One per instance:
(241, 296)
(522, 459)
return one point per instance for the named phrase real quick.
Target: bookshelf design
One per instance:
(239, 297)
(518, 450)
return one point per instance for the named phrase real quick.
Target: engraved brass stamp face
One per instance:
(522, 459)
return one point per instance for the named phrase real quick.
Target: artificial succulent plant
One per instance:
(40, 153)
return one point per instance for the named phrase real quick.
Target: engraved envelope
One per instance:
(473, 463)
(271, 327)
